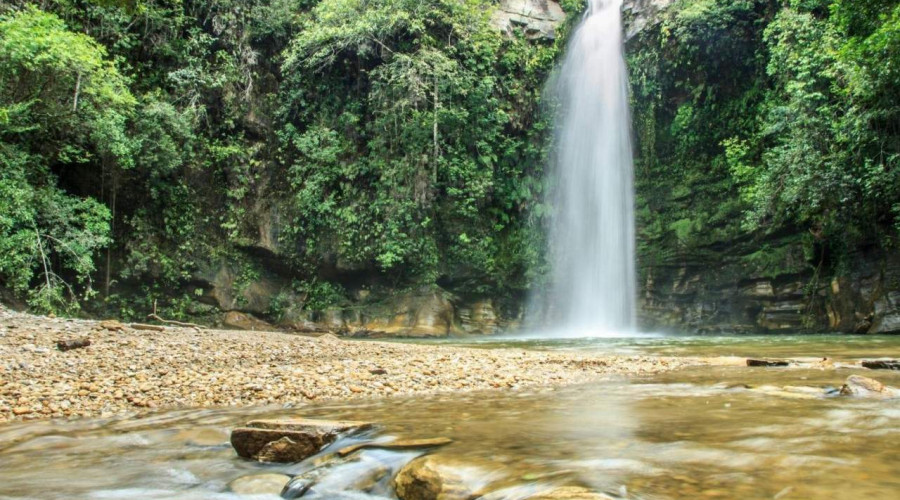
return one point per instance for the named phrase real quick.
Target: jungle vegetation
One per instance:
(403, 142)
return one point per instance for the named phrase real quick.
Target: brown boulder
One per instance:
(288, 440)
(434, 477)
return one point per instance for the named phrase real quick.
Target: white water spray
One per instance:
(592, 237)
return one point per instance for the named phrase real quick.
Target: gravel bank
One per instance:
(129, 370)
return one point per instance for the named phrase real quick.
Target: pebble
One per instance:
(126, 370)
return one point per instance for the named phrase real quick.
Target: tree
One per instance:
(62, 104)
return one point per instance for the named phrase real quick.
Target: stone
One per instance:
(789, 392)
(570, 493)
(243, 321)
(433, 477)
(68, 345)
(203, 436)
(767, 362)
(259, 484)
(538, 19)
(112, 325)
(286, 450)
(882, 364)
(285, 441)
(865, 387)
(399, 444)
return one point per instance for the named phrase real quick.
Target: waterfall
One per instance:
(592, 235)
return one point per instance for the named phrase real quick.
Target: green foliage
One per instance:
(62, 103)
(758, 118)
(399, 139)
(401, 143)
(411, 126)
(320, 295)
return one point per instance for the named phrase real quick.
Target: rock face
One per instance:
(242, 321)
(719, 291)
(637, 15)
(479, 317)
(537, 19)
(429, 313)
(288, 440)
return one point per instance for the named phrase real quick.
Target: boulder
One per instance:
(288, 440)
(259, 484)
(434, 477)
(865, 387)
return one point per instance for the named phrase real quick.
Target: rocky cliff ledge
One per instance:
(640, 14)
(712, 294)
(536, 18)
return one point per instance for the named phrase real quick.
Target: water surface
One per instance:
(698, 433)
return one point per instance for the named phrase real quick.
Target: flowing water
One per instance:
(592, 238)
(699, 433)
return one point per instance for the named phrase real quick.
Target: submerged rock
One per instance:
(545, 492)
(288, 440)
(865, 387)
(362, 473)
(434, 477)
(397, 444)
(259, 484)
(570, 493)
(767, 362)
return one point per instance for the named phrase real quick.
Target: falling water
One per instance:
(592, 238)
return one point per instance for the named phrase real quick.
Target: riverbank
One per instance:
(127, 370)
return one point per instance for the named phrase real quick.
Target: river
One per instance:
(707, 432)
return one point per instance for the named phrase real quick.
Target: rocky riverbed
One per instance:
(130, 370)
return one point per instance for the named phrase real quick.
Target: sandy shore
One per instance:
(127, 370)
